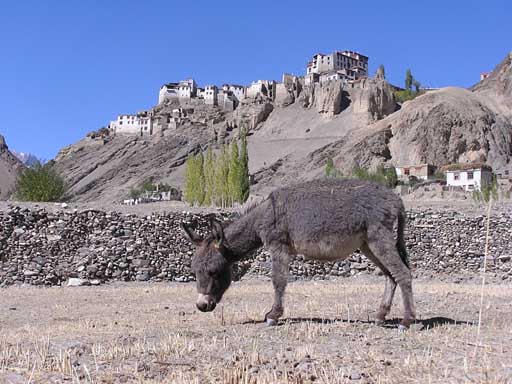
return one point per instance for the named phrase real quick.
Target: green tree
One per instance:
(381, 71)
(234, 175)
(244, 167)
(408, 80)
(200, 182)
(329, 167)
(221, 177)
(417, 85)
(40, 183)
(209, 177)
(189, 191)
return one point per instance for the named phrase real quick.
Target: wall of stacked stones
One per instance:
(47, 248)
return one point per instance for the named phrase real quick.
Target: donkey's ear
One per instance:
(217, 231)
(191, 234)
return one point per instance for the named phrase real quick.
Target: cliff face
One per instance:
(372, 98)
(10, 167)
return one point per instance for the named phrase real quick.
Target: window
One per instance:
(470, 175)
(406, 171)
(506, 172)
(456, 176)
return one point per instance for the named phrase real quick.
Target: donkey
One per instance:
(324, 220)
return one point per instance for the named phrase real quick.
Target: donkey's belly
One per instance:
(329, 248)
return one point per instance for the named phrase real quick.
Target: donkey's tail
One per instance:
(400, 241)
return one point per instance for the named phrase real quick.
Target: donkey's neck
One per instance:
(242, 235)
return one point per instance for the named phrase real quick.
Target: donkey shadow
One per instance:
(425, 324)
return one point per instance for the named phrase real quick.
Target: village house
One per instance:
(168, 91)
(337, 61)
(504, 172)
(265, 88)
(420, 171)
(210, 94)
(140, 124)
(484, 75)
(470, 177)
(187, 89)
(238, 91)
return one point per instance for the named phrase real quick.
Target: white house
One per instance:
(168, 91)
(338, 60)
(210, 94)
(187, 89)
(262, 87)
(470, 177)
(238, 91)
(140, 124)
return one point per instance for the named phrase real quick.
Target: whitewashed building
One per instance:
(168, 91)
(140, 124)
(338, 60)
(263, 88)
(238, 91)
(470, 177)
(210, 94)
(187, 89)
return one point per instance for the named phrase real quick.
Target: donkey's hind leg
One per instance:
(389, 290)
(383, 245)
(280, 265)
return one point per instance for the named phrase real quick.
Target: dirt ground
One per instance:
(152, 333)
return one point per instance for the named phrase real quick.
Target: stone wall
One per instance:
(44, 248)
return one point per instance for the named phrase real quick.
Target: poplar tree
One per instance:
(408, 80)
(234, 179)
(199, 175)
(209, 177)
(244, 168)
(221, 177)
(189, 190)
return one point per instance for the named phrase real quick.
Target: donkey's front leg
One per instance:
(280, 266)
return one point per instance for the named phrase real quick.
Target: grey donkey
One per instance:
(323, 220)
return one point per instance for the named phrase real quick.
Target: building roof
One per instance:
(170, 85)
(465, 167)
(414, 165)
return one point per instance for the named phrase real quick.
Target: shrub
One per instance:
(40, 183)
(406, 95)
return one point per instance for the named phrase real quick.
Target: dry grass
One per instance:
(142, 333)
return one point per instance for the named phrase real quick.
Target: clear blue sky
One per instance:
(70, 66)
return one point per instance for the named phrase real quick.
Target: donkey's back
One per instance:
(329, 219)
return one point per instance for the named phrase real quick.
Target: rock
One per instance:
(75, 282)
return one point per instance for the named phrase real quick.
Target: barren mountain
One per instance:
(290, 138)
(9, 168)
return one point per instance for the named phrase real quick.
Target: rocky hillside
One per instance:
(291, 136)
(497, 88)
(9, 168)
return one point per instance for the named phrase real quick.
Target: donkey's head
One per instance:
(211, 265)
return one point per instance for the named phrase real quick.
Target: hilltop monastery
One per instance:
(345, 66)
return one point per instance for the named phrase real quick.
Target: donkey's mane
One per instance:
(252, 202)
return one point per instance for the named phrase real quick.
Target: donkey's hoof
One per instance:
(402, 328)
(271, 322)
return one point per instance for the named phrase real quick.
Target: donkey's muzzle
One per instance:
(205, 303)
